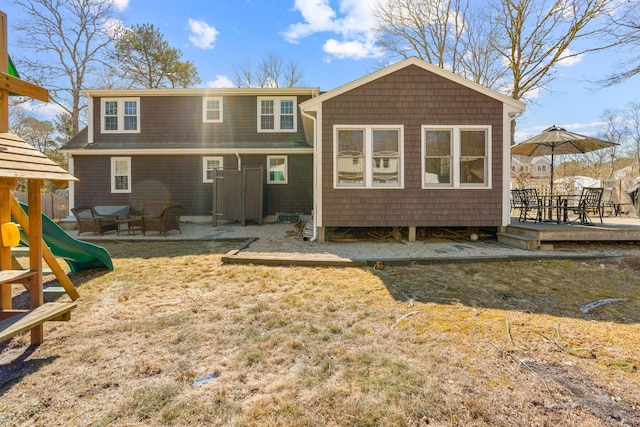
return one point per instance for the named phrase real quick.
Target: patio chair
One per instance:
(168, 219)
(532, 205)
(91, 221)
(611, 202)
(590, 202)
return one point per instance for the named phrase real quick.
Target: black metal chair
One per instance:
(590, 202)
(529, 203)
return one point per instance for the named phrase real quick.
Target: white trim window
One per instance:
(277, 114)
(209, 164)
(212, 109)
(456, 156)
(121, 174)
(368, 156)
(120, 115)
(277, 170)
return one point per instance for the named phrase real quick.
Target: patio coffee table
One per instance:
(133, 224)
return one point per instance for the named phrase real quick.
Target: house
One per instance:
(164, 144)
(534, 167)
(411, 145)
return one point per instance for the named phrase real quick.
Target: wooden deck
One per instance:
(533, 234)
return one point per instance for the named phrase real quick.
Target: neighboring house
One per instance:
(534, 167)
(163, 144)
(411, 145)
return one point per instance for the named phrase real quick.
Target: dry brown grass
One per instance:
(485, 344)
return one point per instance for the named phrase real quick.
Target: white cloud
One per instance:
(351, 49)
(121, 4)
(567, 62)
(220, 81)
(114, 26)
(202, 34)
(352, 21)
(42, 111)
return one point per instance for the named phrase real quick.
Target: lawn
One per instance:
(480, 344)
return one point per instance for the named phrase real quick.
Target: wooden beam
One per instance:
(48, 256)
(10, 84)
(32, 319)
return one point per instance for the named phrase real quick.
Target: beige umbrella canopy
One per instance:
(555, 140)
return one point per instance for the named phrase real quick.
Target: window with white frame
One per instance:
(120, 115)
(212, 109)
(277, 172)
(277, 114)
(455, 156)
(209, 164)
(368, 156)
(121, 174)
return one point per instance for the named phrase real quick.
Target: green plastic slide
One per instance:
(78, 254)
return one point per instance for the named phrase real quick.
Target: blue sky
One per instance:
(333, 43)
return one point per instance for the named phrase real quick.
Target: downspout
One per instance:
(314, 237)
(239, 160)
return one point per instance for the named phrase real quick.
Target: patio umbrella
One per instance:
(556, 140)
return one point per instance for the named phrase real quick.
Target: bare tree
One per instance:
(543, 34)
(625, 32)
(632, 121)
(271, 71)
(428, 29)
(63, 42)
(526, 39)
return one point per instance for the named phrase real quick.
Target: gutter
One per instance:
(314, 237)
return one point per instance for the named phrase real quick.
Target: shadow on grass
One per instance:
(557, 288)
(20, 366)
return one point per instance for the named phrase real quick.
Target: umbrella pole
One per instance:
(551, 183)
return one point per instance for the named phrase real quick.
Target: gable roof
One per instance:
(515, 106)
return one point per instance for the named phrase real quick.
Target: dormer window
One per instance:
(120, 115)
(212, 109)
(277, 114)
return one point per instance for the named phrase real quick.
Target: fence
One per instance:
(54, 205)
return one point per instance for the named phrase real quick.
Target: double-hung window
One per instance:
(209, 164)
(212, 109)
(368, 156)
(455, 156)
(120, 115)
(121, 174)
(277, 114)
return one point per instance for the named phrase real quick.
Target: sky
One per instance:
(333, 43)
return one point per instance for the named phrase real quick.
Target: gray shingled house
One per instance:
(410, 145)
(164, 144)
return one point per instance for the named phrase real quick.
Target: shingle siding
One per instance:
(179, 179)
(412, 97)
(179, 119)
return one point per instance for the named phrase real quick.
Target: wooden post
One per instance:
(35, 253)
(5, 252)
(4, 65)
(412, 234)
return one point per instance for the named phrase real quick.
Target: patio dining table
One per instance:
(556, 207)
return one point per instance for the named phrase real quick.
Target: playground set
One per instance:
(26, 225)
